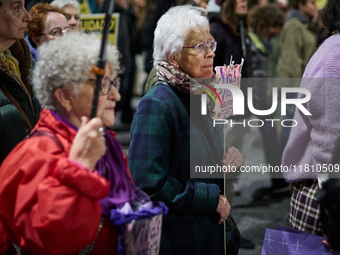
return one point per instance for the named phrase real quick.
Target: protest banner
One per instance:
(140, 231)
(143, 236)
(229, 75)
(94, 23)
(293, 242)
(84, 7)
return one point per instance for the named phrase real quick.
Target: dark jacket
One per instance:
(154, 12)
(229, 44)
(127, 44)
(161, 154)
(13, 127)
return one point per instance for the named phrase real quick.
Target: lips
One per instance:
(208, 66)
(110, 109)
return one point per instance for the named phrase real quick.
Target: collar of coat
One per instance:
(21, 52)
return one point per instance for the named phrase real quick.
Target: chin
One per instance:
(206, 75)
(108, 123)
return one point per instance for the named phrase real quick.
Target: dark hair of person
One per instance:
(295, 3)
(330, 17)
(252, 3)
(229, 17)
(262, 18)
(39, 13)
(1, 2)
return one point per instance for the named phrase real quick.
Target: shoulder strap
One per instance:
(48, 134)
(16, 104)
(257, 42)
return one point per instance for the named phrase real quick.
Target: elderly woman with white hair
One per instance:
(57, 187)
(160, 153)
(72, 9)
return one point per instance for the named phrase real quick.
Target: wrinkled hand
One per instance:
(88, 145)
(232, 157)
(223, 209)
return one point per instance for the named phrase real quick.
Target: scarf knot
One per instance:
(178, 79)
(11, 62)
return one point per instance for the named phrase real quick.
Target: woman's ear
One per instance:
(173, 61)
(63, 97)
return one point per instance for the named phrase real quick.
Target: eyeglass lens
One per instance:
(69, 16)
(201, 47)
(58, 32)
(107, 83)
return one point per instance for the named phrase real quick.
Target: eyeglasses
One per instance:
(202, 47)
(106, 85)
(57, 32)
(69, 16)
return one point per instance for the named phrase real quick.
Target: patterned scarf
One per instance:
(178, 79)
(11, 62)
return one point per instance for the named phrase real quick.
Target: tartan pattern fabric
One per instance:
(304, 211)
(233, 237)
(159, 160)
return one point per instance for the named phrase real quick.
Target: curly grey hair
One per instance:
(62, 3)
(173, 28)
(66, 62)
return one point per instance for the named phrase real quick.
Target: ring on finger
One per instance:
(102, 132)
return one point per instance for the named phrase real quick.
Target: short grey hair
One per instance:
(173, 28)
(66, 62)
(62, 3)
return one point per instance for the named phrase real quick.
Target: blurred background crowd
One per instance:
(276, 39)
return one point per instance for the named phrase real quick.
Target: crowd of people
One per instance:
(63, 173)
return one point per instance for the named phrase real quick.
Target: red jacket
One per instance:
(48, 204)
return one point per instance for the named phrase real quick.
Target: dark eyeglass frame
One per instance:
(107, 82)
(113, 83)
(212, 45)
(69, 16)
(60, 32)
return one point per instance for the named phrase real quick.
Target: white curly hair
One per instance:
(173, 28)
(62, 3)
(66, 62)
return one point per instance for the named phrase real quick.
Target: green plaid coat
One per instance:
(159, 160)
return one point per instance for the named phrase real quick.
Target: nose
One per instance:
(114, 94)
(26, 18)
(209, 53)
(72, 22)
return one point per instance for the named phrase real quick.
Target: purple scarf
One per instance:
(112, 167)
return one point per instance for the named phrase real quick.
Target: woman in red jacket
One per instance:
(58, 186)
